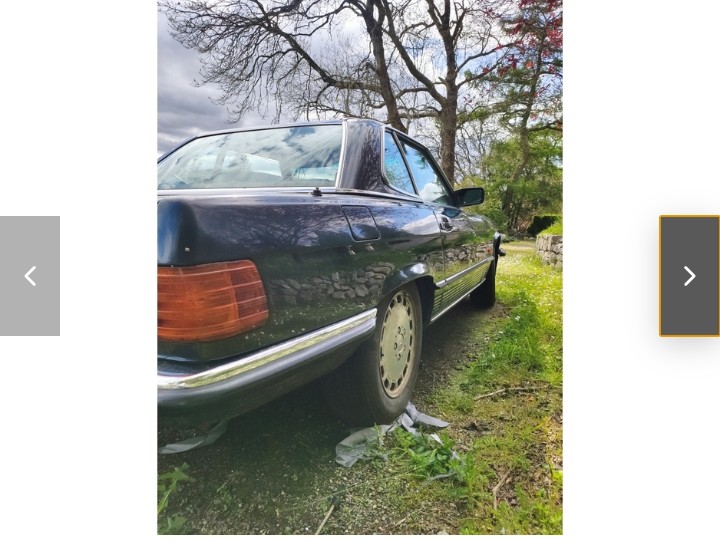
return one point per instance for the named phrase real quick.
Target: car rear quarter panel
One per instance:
(321, 258)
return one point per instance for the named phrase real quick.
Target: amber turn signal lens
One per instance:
(210, 302)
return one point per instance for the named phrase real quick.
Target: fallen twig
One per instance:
(507, 390)
(332, 507)
(495, 490)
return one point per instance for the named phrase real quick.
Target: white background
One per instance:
(79, 139)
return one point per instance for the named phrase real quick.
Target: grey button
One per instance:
(29, 275)
(689, 277)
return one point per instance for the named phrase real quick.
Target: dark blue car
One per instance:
(290, 253)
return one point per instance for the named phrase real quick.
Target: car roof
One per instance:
(283, 125)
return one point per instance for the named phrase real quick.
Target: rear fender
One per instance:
(405, 275)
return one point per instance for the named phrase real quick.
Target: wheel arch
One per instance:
(419, 274)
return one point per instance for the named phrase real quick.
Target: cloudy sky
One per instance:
(183, 109)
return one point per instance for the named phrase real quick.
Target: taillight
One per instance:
(210, 302)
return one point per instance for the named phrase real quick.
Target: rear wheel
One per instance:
(376, 383)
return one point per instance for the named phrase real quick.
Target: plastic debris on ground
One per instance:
(349, 450)
(195, 442)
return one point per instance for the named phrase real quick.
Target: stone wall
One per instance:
(550, 249)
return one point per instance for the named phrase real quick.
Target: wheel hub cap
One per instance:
(396, 344)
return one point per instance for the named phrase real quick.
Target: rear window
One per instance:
(306, 156)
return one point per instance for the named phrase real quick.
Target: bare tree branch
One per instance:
(404, 60)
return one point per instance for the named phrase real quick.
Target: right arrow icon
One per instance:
(692, 275)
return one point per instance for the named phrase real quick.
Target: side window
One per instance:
(428, 180)
(395, 170)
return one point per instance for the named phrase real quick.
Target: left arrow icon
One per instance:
(27, 275)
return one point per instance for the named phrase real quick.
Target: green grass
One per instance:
(497, 469)
(430, 458)
(509, 478)
(168, 484)
(555, 229)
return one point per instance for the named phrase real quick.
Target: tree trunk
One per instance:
(448, 134)
(375, 31)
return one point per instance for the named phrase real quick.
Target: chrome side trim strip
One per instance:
(462, 273)
(263, 357)
(452, 305)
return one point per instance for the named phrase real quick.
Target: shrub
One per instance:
(555, 229)
(541, 222)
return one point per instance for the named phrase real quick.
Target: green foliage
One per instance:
(508, 478)
(534, 514)
(224, 497)
(167, 485)
(173, 525)
(512, 481)
(555, 229)
(529, 342)
(375, 447)
(430, 458)
(538, 189)
(540, 222)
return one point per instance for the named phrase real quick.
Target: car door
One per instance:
(466, 238)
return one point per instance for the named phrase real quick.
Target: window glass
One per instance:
(427, 179)
(297, 156)
(395, 170)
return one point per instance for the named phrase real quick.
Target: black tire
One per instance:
(483, 296)
(376, 383)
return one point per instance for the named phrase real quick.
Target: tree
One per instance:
(529, 80)
(513, 199)
(406, 60)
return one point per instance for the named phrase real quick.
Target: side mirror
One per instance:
(470, 196)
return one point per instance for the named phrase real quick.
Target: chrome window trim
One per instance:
(235, 191)
(404, 159)
(343, 141)
(343, 146)
(439, 173)
(290, 190)
(387, 195)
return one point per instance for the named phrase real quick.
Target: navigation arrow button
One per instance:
(692, 275)
(31, 281)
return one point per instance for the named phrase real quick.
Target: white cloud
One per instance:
(184, 110)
